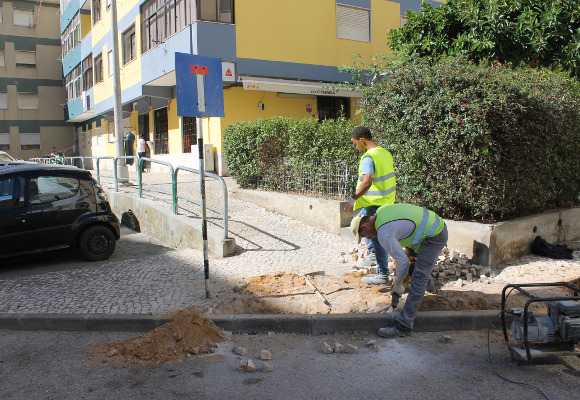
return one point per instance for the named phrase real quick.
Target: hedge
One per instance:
(478, 142)
(251, 147)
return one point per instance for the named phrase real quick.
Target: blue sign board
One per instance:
(199, 86)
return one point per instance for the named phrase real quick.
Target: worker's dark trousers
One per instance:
(426, 259)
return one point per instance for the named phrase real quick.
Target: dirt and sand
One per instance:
(190, 333)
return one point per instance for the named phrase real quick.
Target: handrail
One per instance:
(114, 170)
(224, 192)
(173, 172)
(75, 158)
(173, 184)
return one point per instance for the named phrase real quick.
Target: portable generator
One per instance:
(556, 334)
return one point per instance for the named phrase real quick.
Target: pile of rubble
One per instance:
(451, 265)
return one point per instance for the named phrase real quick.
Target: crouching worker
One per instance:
(405, 225)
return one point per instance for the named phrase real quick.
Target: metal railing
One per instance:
(139, 162)
(223, 213)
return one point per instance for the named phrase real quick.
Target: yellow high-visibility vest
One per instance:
(383, 189)
(427, 223)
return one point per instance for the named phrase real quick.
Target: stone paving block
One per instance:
(326, 348)
(241, 351)
(338, 348)
(251, 367)
(267, 367)
(265, 355)
(350, 349)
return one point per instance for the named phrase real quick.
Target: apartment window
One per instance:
(129, 49)
(26, 59)
(99, 68)
(216, 10)
(96, 11)
(30, 141)
(71, 37)
(161, 133)
(28, 101)
(3, 100)
(22, 17)
(330, 107)
(163, 18)
(73, 83)
(353, 23)
(0, 14)
(189, 133)
(88, 72)
(110, 62)
(2, 60)
(5, 142)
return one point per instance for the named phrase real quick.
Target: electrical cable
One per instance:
(449, 301)
(497, 373)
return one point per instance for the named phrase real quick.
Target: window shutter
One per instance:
(2, 60)
(352, 23)
(28, 101)
(3, 100)
(29, 139)
(25, 57)
(23, 17)
(4, 139)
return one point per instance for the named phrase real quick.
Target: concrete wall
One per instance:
(175, 230)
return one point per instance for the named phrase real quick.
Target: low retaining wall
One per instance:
(485, 244)
(175, 230)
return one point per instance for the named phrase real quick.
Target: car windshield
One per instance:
(5, 157)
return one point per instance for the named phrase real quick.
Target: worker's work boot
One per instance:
(370, 260)
(395, 331)
(376, 279)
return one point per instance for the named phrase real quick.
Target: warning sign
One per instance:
(228, 72)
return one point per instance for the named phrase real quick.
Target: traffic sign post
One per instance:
(200, 94)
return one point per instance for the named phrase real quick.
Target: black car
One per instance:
(47, 207)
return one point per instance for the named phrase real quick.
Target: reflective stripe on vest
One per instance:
(383, 188)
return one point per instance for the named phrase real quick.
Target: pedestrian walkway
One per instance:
(145, 277)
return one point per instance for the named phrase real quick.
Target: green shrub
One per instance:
(253, 148)
(477, 142)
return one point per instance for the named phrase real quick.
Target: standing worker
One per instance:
(406, 225)
(376, 187)
(142, 150)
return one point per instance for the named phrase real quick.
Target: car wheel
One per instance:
(97, 243)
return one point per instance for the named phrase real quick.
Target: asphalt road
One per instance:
(59, 365)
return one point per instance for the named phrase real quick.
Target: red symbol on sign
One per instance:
(228, 72)
(199, 70)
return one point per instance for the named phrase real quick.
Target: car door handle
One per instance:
(21, 217)
(84, 204)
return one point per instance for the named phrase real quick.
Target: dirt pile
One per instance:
(190, 333)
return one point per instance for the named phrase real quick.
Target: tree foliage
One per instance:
(532, 32)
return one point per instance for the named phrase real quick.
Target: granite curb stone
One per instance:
(429, 321)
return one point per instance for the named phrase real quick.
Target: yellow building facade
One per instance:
(279, 58)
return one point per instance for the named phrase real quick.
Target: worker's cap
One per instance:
(354, 227)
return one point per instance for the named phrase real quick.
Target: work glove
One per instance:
(398, 288)
(349, 203)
